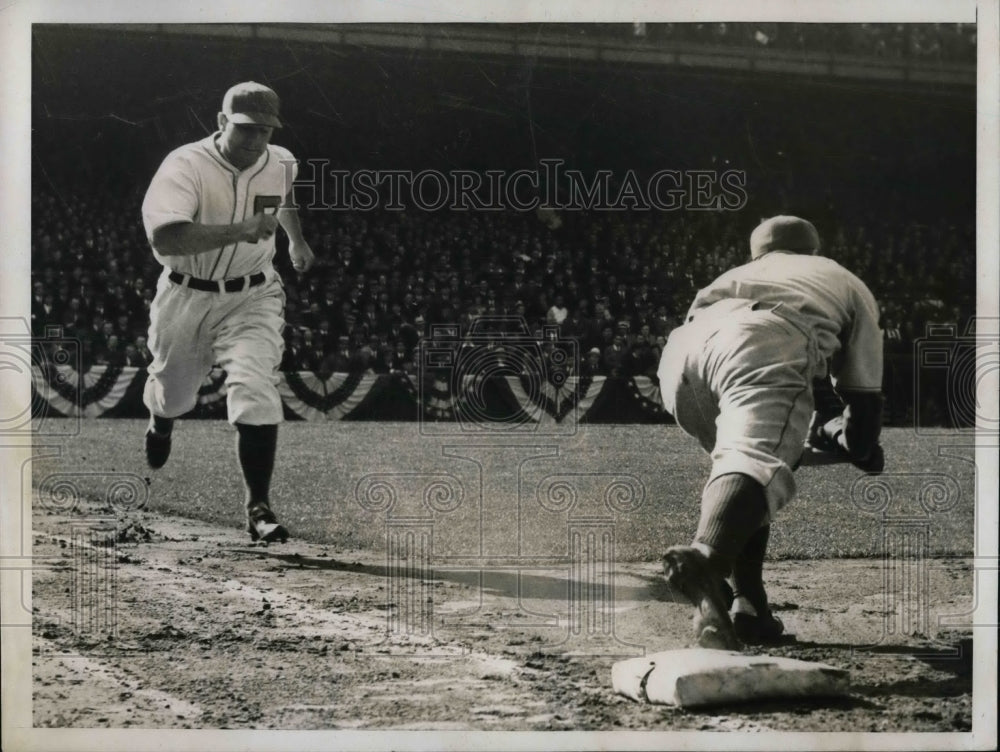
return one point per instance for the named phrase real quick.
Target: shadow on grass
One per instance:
(514, 582)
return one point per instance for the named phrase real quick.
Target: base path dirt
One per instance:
(155, 621)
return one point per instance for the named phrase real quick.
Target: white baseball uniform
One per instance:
(738, 374)
(192, 330)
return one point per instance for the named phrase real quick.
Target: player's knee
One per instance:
(740, 496)
(781, 489)
(254, 403)
(771, 472)
(168, 400)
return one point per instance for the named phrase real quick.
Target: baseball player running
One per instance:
(210, 214)
(738, 377)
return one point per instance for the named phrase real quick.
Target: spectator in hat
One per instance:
(615, 355)
(341, 358)
(592, 364)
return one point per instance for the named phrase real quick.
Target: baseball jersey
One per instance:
(818, 294)
(196, 184)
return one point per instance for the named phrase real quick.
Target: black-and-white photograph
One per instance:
(630, 379)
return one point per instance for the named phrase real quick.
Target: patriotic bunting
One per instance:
(313, 398)
(117, 391)
(547, 403)
(647, 393)
(89, 394)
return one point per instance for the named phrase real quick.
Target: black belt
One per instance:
(751, 304)
(237, 284)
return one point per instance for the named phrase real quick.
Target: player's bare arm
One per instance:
(298, 249)
(191, 238)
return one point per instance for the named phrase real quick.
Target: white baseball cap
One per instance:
(783, 233)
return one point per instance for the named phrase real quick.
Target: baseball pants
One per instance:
(192, 330)
(738, 378)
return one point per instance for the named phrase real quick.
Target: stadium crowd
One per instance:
(615, 282)
(938, 42)
(918, 42)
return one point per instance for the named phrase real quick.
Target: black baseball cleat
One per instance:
(264, 526)
(157, 448)
(688, 569)
(760, 630)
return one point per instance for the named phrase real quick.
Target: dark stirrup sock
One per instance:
(748, 571)
(256, 447)
(162, 426)
(733, 508)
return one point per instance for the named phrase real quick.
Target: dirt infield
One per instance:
(150, 620)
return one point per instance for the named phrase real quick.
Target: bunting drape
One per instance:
(116, 391)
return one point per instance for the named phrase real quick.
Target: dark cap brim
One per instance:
(254, 118)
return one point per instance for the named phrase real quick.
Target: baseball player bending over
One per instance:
(738, 377)
(210, 214)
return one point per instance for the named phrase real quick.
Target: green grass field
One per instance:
(498, 513)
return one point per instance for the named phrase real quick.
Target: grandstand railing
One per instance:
(561, 43)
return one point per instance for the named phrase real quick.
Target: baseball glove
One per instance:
(829, 437)
(823, 436)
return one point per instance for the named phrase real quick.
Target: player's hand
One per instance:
(259, 227)
(302, 256)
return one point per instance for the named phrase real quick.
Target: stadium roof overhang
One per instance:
(576, 44)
